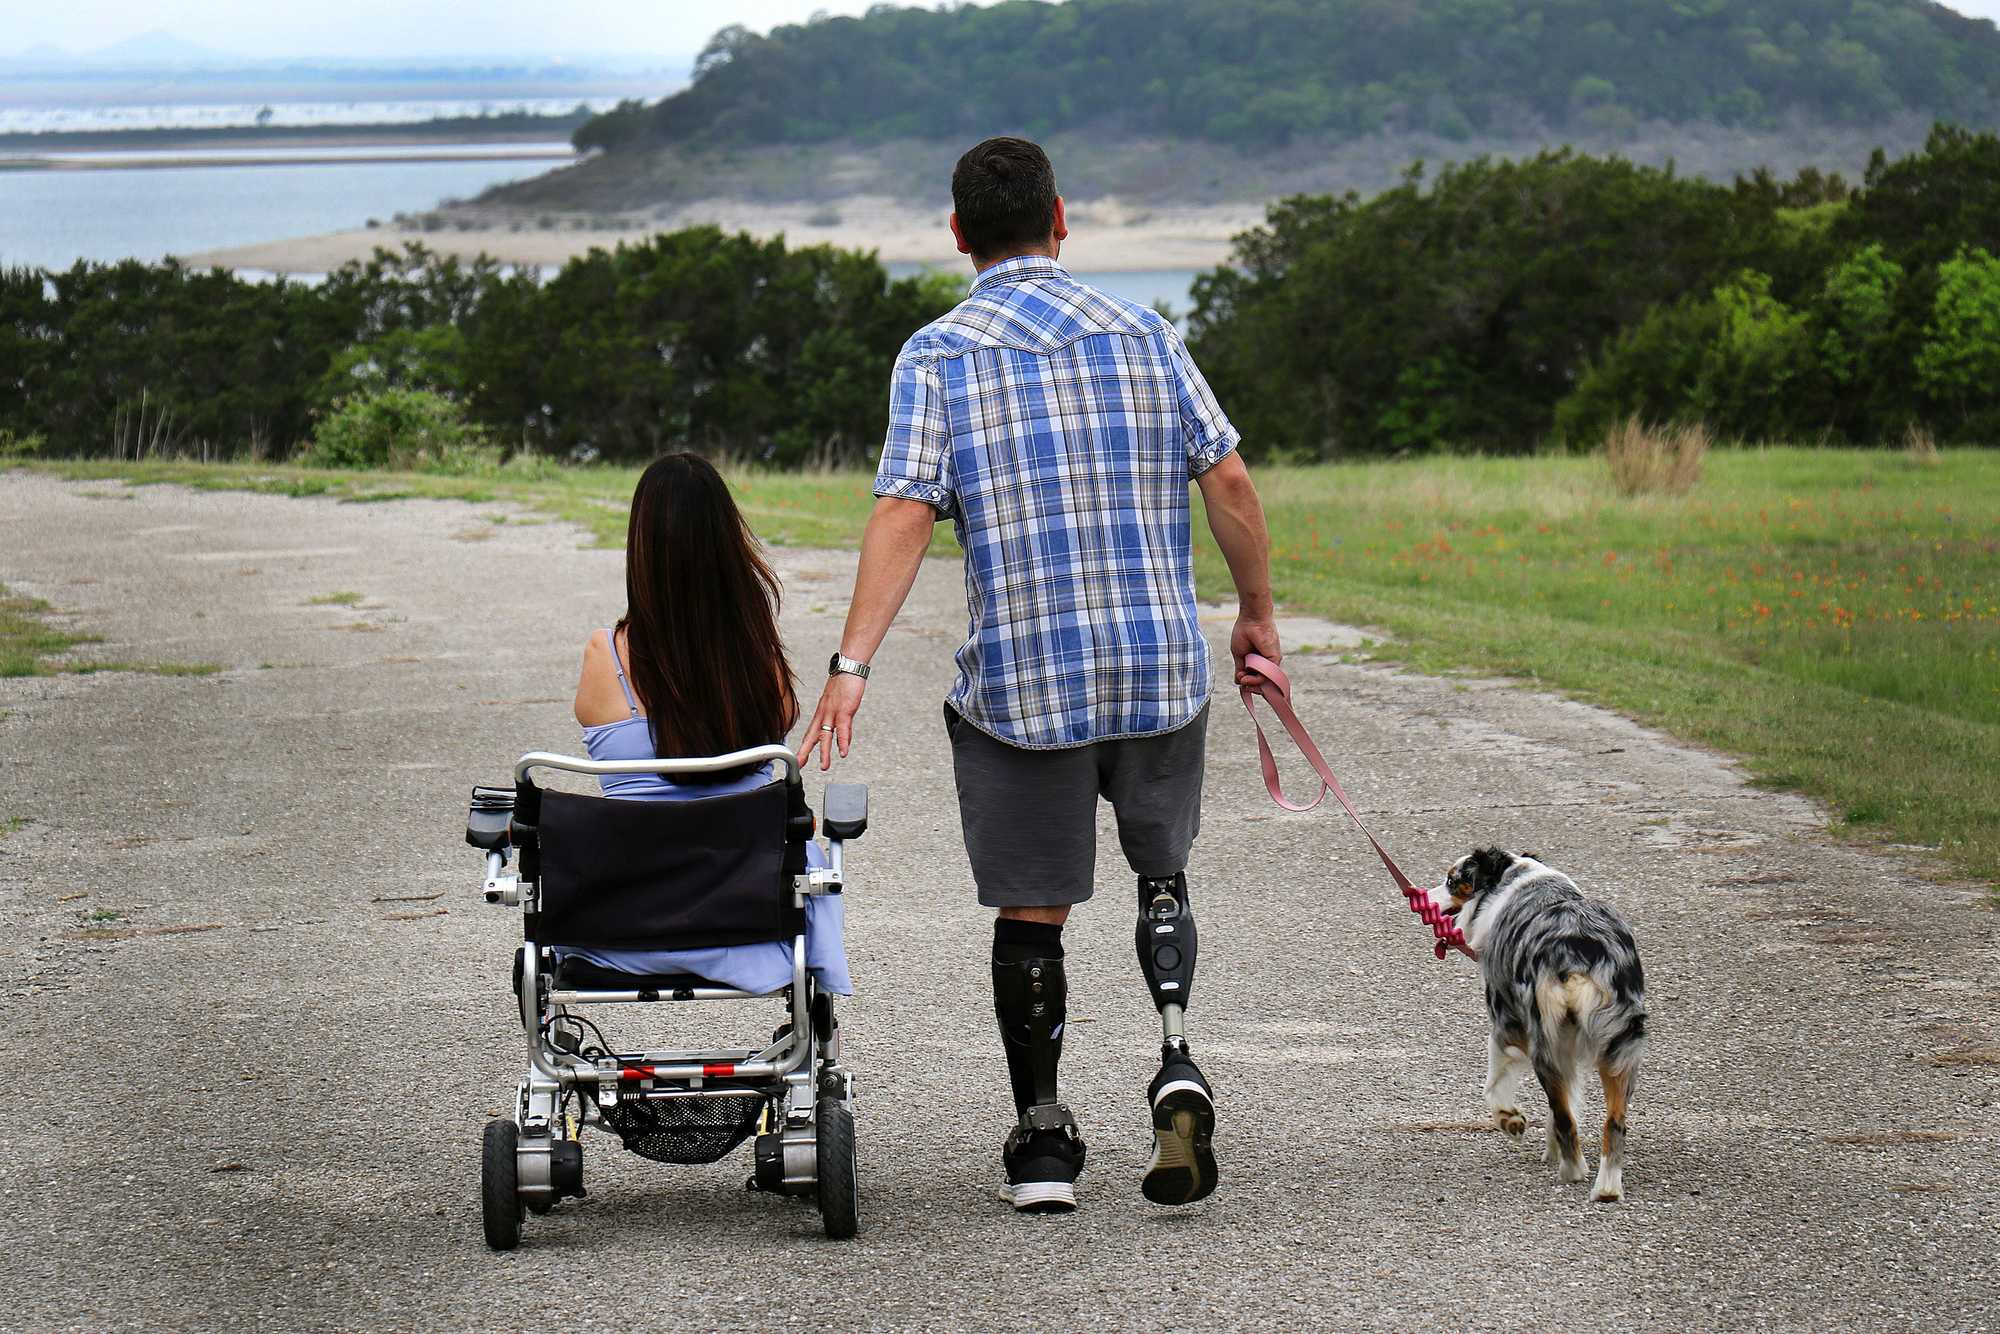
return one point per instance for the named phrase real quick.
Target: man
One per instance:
(1057, 428)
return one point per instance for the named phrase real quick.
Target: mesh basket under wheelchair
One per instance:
(683, 1130)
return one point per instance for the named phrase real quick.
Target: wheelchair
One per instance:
(596, 874)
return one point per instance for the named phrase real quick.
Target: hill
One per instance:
(1265, 72)
(1287, 94)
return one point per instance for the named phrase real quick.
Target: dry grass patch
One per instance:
(1920, 446)
(1656, 460)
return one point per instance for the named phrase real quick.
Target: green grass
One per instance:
(344, 598)
(30, 646)
(1831, 616)
(27, 641)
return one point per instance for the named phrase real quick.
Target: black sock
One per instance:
(1015, 941)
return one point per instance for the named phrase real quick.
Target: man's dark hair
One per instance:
(1004, 192)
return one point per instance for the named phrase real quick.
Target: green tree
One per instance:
(1959, 363)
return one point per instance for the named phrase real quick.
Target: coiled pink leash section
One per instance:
(1275, 688)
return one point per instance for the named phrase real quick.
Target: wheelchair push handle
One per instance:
(738, 759)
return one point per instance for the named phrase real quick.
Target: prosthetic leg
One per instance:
(1182, 1169)
(1166, 941)
(1043, 1154)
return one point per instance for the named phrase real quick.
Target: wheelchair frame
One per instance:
(806, 1144)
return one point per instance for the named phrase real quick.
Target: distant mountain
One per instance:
(1262, 74)
(157, 47)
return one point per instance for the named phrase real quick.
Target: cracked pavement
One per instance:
(258, 1014)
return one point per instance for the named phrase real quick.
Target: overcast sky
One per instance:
(398, 28)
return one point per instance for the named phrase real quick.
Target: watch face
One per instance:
(833, 663)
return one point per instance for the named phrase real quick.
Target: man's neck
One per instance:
(980, 266)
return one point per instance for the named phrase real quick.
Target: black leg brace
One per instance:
(1166, 939)
(1030, 999)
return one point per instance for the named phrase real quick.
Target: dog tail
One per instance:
(1567, 1004)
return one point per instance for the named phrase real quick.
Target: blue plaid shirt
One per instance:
(1058, 427)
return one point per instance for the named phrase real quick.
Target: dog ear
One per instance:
(1488, 865)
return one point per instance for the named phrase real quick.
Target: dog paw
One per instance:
(1510, 1121)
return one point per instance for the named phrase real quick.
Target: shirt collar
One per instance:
(1019, 269)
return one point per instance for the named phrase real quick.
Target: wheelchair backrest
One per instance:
(623, 874)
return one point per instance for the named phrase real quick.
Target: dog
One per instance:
(1563, 986)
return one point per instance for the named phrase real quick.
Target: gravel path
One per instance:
(257, 1014)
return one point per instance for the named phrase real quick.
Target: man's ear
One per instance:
(1061, 232)
(958, 235)
(1488, 865)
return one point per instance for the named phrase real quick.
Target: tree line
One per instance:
(692, 339)
(1265, 72)
(1501, 305)
(1497, 306)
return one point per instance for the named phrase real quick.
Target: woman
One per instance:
(695, 667)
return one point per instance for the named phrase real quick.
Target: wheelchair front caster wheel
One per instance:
(839, 1204)
(500, 1185)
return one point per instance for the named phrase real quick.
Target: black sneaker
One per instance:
(1042, 1168)
(1183, 1166)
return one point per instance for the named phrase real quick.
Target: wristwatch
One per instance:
(841, 664)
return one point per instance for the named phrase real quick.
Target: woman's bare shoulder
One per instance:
(598, 698)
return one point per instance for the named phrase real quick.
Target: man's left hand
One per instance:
(833, 721)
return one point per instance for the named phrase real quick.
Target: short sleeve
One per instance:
(1207, 432)
(916, 455)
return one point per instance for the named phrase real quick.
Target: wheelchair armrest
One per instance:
(846, 810)
(492, 811)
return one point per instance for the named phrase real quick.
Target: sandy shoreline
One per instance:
(1106, 236)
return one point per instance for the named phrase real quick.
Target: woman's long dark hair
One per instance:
(701, 617)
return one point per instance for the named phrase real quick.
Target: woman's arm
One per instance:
(598, 698)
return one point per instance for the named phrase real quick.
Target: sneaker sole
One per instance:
(1041, 1197)
(1183, 1166)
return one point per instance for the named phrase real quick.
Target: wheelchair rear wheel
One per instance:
(839, 1205)
(500, 1184)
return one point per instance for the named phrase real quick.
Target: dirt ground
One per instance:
(257, 1013)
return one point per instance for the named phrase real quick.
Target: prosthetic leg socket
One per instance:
(1030, 999)
(1166, 940)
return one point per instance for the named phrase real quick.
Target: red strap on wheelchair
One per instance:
(1275, 688)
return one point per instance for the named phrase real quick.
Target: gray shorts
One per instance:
(1030, 816)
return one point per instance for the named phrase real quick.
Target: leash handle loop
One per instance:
(1275, 689)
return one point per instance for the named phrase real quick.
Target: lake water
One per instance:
(51, 219)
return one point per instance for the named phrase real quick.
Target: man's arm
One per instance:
(892, 548)
(1236, 517)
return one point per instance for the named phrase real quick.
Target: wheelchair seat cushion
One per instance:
(578, 971)
(760, 969)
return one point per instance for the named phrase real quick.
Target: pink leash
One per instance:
(1276, 690)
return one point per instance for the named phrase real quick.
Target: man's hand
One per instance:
(1253, 635)
(833, 721)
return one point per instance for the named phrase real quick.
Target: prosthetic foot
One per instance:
(1182, 1169)
(1044, 1154)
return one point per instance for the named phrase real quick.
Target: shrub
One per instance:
(1652, 460)
(19, 446)
(404, 429)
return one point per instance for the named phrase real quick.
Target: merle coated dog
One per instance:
(1563, 986)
